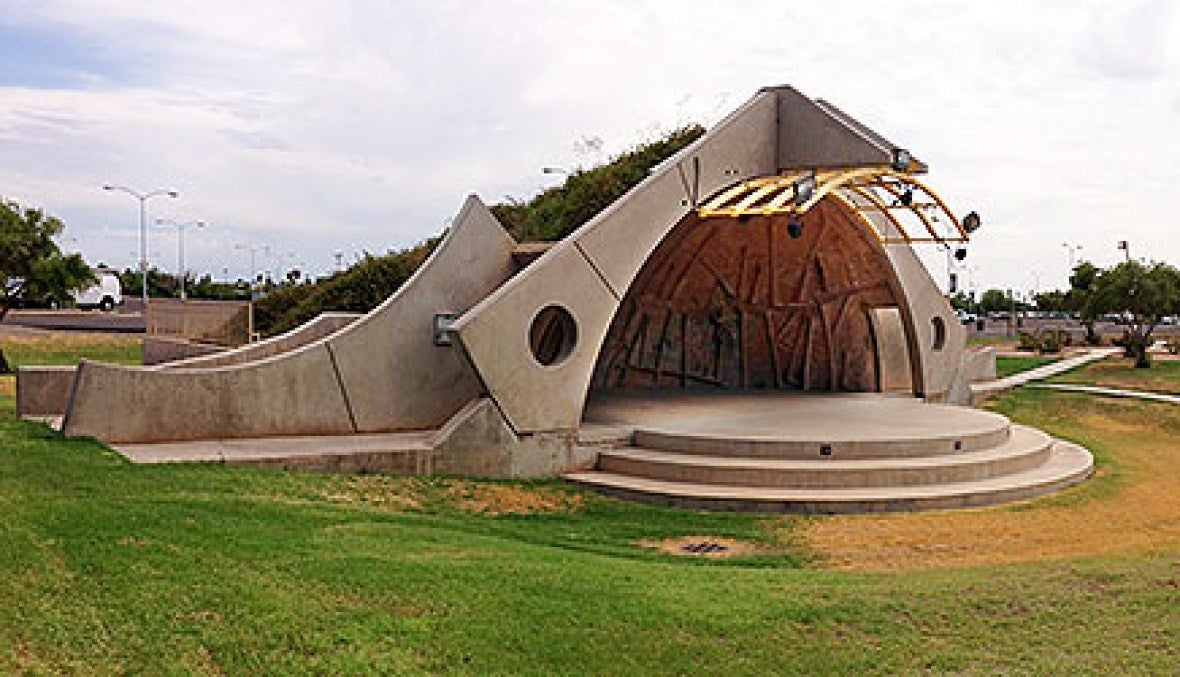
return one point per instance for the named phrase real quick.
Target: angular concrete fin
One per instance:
(476, 212)
(817, 134)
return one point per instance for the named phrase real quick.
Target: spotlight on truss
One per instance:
(971, 222)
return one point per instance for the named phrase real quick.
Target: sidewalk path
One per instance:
(982, 391)
(1111, 392)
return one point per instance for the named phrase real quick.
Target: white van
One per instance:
(107, 294)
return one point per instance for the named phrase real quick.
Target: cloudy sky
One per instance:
(315, 127)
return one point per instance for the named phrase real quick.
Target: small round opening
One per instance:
(939, 332)
(553, 335)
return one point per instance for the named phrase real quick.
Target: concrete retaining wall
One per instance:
(43, 390)
(225, 323)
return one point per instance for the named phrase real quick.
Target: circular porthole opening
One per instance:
(939, 332)
(553, 335)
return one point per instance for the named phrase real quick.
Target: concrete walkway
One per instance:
(1110, 392)
(982, 391)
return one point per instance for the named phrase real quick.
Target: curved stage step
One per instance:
(1023, 450)
(821, 453)
(1066, 465)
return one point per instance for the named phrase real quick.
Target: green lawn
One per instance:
(1120, 372)
(107, 568)
(990, 340)
(63, 348)
(1006, 366)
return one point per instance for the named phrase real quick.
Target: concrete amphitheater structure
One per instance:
(747, 328)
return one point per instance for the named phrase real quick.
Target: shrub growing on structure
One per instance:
(551, 215)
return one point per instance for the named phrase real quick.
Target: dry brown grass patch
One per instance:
(397, 494)
(1140, 514)
(418, 493)
(509, 499)
(676, 546)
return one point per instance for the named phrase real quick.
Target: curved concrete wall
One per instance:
(922, 304)
(590, 271)
(382, 372)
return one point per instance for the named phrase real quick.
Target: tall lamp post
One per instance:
(180, 226)
(143, 250)
(253, 249)
(1072, 249)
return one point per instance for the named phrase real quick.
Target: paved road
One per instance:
(77, 320)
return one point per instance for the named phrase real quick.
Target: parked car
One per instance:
(105, 294)
(966, 317)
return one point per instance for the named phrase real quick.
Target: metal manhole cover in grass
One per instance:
(703, 548)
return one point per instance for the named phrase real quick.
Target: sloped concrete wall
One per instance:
(314, 329)
(47, 389)
(380, 373)
(294, 394)
(394, 374)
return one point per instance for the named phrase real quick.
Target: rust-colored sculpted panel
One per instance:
(740, 304)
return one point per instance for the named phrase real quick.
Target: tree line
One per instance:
(1141, 295)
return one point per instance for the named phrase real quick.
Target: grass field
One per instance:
(1006, 366)
(108, 568)
(1162, 377)
(66, 348)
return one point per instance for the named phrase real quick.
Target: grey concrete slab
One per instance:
(273, 448)
(1110, 392)
(982, 391)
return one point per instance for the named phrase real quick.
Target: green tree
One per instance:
(32, 267)
(1077, 299)
(1144, 293)
(994, 300)
(1050, 301)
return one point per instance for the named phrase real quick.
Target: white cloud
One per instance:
(315, 126)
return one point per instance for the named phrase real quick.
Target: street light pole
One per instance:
(180, 247)
(1126, 247)
(143, 250)
(1071, 249)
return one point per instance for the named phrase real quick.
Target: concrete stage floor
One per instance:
(798, 416)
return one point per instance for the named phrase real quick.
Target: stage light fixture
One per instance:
(794, 227)
(804, 188)
(901, 160)
(972, 222)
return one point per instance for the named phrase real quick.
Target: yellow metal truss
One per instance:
(880, 190)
